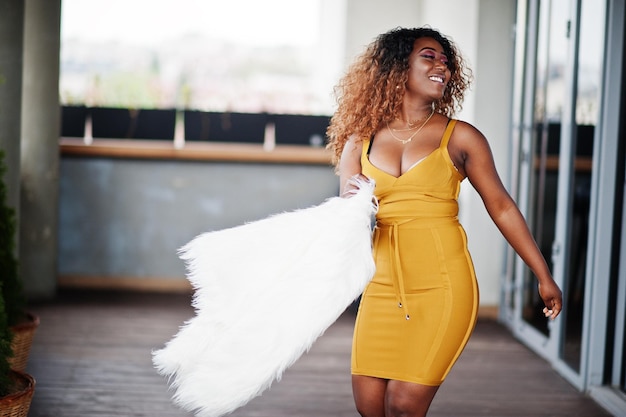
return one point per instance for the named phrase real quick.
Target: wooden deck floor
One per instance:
(91, 357)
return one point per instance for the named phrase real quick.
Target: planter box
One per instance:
(73, 121)
(23, 334)
(224, 127)
(296, 129)
(155, 124)
(120, 123)
(17, 404)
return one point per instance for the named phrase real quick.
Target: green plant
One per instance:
(11, 296)
(12, 290)
(6, 384)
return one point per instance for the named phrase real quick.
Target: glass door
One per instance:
(586, 96)
(544, 141)
(559, 89)
(543, 113)
(618, 371)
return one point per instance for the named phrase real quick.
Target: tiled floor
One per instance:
(91, 357)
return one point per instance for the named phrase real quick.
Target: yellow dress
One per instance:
(417, 313)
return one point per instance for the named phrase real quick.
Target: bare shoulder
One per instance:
(466, 134)
(355, 142)
(352, 149)
(467, 143)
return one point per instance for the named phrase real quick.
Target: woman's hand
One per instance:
(552, 298)
(351, 186)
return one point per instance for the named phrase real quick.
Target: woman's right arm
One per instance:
(349, 164)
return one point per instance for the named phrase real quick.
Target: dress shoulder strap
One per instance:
(367, 146)
(447, 133)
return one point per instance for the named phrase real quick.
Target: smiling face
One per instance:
(429, 70)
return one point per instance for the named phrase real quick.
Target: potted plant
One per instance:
(21, 323)
(16, 387)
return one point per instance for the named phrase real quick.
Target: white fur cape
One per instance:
(264, 292)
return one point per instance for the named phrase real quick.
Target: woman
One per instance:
(393, 126)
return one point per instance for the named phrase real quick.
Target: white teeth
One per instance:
(436, 78)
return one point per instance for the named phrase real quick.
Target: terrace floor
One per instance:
(92, 357)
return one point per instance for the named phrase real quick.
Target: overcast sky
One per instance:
(150, 21)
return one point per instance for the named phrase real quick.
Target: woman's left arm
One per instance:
(472, 148)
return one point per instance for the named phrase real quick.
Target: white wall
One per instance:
(492, 115)
(366, 19)
(460, 23)
(482, 30)
(330, 50)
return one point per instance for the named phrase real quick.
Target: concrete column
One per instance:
(40, 147)
(11, 50)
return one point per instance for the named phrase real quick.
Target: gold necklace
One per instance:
(410, 138)
(412, 124)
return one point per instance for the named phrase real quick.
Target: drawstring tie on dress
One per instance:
(396, 266)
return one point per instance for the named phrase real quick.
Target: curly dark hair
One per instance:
(368, 94)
